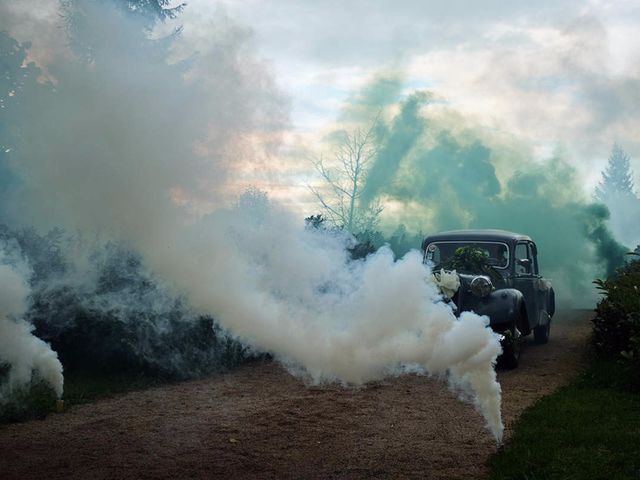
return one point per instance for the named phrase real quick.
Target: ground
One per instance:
(259, 422)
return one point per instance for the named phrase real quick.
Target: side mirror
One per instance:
(526, 263)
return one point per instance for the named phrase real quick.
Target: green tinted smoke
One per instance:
(459, 183)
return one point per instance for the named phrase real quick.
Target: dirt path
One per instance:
(259, 422)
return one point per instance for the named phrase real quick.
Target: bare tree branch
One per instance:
(346, 180)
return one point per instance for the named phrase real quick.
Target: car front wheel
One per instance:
(511, 349)
(541, 332)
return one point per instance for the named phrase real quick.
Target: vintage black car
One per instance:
(508, 288)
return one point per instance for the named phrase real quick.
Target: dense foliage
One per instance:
(472, 259)
(34, 400)
(616, 332)
(102, 311)
(469, 259)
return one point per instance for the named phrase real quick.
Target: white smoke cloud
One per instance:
(293, 292)
(113, 151)
(23, 352)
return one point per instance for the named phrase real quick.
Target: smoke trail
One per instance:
(23, 352)
(398, 142)
(111, 150)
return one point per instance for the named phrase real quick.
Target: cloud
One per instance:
(335, 32)
(554, 74)
(553, 86)
(37, 22)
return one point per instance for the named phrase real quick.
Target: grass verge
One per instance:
(587, 430)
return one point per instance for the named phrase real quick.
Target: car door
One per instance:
(542, 289)
(526, 279)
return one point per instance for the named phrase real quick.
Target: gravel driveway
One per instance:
(259, 422)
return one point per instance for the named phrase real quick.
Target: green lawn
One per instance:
(587, 430)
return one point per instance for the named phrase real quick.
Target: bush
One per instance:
(169, 343)
(111, 315)
(616, 326)
(472, 260)
(27, 402)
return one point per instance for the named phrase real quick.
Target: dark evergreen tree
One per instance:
(90, 32)
(616, 192)
(617, 178)
(152, 9)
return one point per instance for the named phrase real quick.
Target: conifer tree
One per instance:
(89, 32)
(153, 9)
(616, 191)
(617, 178)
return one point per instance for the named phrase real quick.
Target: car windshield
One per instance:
(438, 254)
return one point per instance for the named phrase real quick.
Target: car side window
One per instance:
(523, 260)
(432, 255)
(534, 259)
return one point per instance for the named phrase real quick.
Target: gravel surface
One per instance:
(259, 422)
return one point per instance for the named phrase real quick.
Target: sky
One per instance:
(552, 76)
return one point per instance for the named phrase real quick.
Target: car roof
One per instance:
(476, 235)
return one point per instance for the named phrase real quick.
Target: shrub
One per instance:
(472, 259)
(616, 326)
(34, 400)
(112, 315)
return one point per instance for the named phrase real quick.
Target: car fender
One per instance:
(551, 303)
(504, 307)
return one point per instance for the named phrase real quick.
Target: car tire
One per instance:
(511, 350)
(541, 332)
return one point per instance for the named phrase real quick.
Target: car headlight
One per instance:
(481, 286)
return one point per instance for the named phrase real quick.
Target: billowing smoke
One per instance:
(294, 292)
(21, 353)
(437, 171)
(126, 146)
